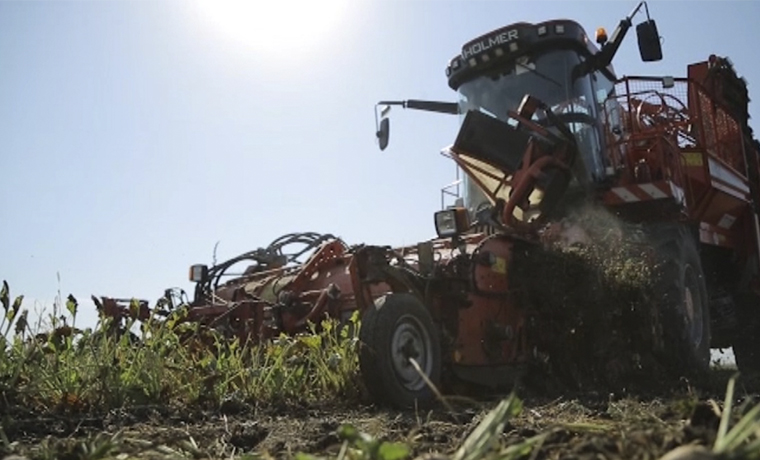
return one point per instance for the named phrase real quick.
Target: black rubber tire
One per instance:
(746, 345)
(683, 302)
(387, 379)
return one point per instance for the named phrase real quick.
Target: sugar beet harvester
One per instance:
(545, 124)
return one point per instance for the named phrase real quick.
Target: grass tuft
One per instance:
(67, 370)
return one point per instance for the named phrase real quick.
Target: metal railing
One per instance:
(678, 109)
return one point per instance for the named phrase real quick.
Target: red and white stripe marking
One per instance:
(645, 192)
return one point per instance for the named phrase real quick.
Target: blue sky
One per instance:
(134, 135)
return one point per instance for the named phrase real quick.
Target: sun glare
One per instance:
(276, 27)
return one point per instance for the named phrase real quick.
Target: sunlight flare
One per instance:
(276, 28)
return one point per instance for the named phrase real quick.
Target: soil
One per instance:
(579, 425)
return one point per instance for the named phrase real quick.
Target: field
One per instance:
(589, 426)
(96, 394)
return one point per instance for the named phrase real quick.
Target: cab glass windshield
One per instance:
(548, 77)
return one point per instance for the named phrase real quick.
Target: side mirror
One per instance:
(383, 133)
(649, 41)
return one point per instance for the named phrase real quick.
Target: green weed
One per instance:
(168, 362)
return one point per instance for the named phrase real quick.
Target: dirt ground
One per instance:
(581, 426)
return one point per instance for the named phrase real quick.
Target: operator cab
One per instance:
(556, 63)
(553, 62)
(547, 61)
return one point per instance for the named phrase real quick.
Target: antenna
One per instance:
(213, 257)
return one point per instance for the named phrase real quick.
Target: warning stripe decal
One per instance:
(644, 192)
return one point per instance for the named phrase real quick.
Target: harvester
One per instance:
(546, 124)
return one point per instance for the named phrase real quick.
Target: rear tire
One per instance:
(746, 345)
(681, 293)
(396, 328)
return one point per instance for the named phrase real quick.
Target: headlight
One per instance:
(198, 273)
(451, 222)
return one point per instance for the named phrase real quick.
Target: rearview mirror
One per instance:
(383, 133)
(649, 41)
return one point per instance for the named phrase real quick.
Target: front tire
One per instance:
(399, 327)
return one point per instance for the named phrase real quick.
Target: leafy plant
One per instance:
(742, 441)
(67, 369)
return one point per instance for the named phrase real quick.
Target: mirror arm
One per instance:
(451, 108)
(604, 57)
(382, 108)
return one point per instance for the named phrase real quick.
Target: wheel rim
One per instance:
(411, 340)
(693, 307)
